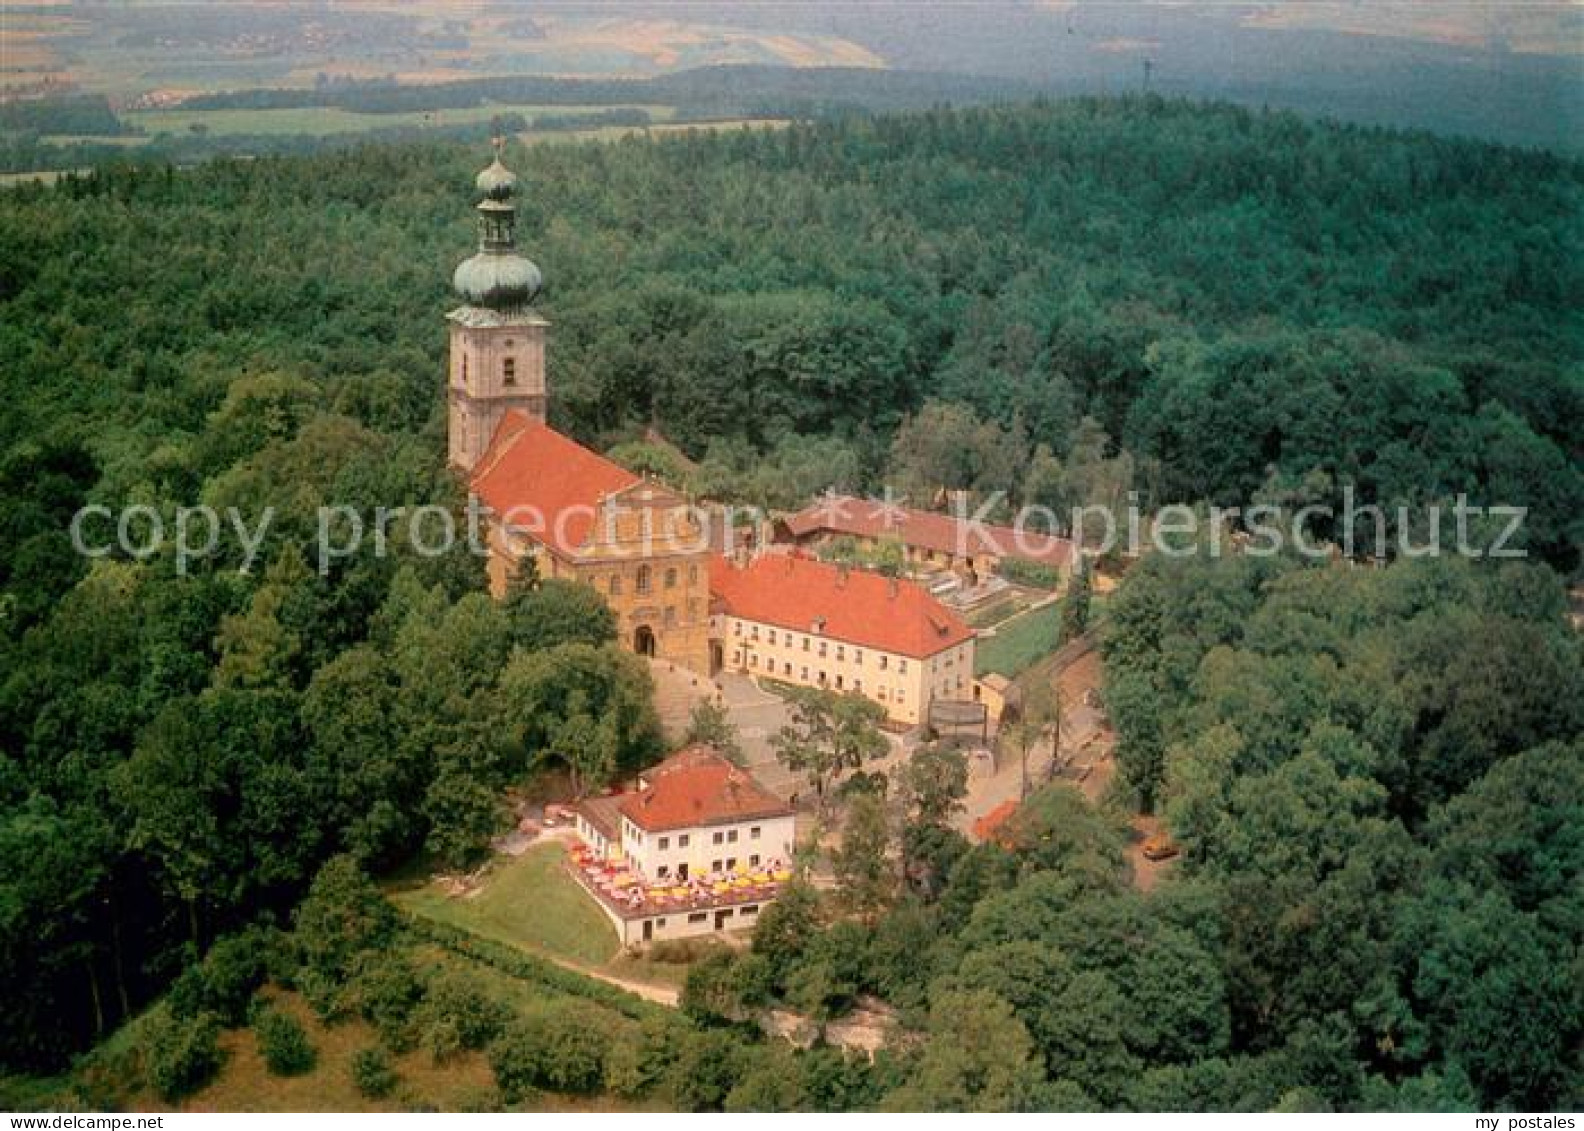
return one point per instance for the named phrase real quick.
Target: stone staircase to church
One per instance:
(677, 691)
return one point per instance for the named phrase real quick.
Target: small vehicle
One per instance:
(1160, 847)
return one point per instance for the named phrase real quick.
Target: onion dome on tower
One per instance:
(497, 277)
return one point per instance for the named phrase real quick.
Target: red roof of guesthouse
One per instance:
(854, 606)
(698, 786)
(534, 478)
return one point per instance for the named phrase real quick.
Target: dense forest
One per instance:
(1379, 905)
(1062, 301)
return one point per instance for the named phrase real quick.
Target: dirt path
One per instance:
(649, 991)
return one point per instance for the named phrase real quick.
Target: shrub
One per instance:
(181, 1054)
(708, 1064)
(373, 1074)
(457, 1013)
(559, 1047)
(283, 1042)
(344, 913)
(441, 1038)
(682, 952)
(639, 1055)
(225, 981)
(385, 990)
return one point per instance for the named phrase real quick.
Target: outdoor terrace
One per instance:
(630, 896)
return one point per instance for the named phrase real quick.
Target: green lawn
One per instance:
(529, 902)
(1020, 643)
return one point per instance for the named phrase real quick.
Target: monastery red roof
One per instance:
(533, 477)
(929, 530)
(698, 786)
(851, 605)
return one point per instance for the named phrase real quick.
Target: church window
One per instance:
(693, 574)
(509, 370)
(670, 579)
(615, 584)
(464, 369)
(643, 579)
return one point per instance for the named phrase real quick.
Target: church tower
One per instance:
(497, 338)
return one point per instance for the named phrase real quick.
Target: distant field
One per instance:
(122, 141)
(325, 121)
(615, 133)
(42, 176)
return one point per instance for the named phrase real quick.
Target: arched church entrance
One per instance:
(644, 641)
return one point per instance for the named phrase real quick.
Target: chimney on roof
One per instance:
(893, 587)
(842, 569)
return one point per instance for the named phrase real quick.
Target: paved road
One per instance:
(758, 714)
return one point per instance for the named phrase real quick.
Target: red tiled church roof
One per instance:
(697, 786)
(850, 605)
(552, 483)
(929, 530)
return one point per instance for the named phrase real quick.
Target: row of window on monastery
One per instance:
(644, 581)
